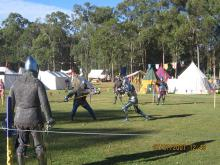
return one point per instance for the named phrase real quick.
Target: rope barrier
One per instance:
(77, 133)
(97, 133)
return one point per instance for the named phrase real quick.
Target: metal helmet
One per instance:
(161, 79)
(31, 65)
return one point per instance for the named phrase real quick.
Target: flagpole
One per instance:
(9, 118)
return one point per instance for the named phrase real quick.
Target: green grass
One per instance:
(189, 120)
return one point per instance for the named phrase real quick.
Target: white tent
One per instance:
(5, 70)
(191, 81)
(9, 79)
(8, 76)
(68, 72)
(97, 74)
(172, 84)
(53, 80)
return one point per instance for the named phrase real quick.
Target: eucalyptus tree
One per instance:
(58, 31)
(12, 28)
(83, 28)
(41, 48)
(127, 13)
(105, 37)
(178, 39)
(196, 11)
(3, 48)
(107, 43)
(25, 41)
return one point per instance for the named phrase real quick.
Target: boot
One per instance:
(126, 114)
(115, 100)
(66, 99)
(42, 160)
(20, 159)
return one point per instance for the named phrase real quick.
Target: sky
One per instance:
(37, 9)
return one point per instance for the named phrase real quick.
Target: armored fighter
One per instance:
(163, 88)
(118, 91)
(132, 101)
(29, 100)
(80, 89)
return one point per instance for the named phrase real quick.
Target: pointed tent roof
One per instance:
(162, 73)
(192, 81)
(150, 75)
(192, 70)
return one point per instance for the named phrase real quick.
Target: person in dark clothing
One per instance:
(29, 100)
(118, 91)
(132, 101)
(81, 88)
(163, 88)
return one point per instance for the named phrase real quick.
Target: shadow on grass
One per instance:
(195, 102)
(82, 115)
(182, 103)
(149, 155)
(172, 116)
(76, 141)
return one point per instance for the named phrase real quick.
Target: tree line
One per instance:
(132, 34)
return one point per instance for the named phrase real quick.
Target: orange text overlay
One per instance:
(179, 147)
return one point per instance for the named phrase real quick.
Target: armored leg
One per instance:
(137, 110)
(158, 99)
(41, 155)
(39, 148)
(89, 109)
(125, 109)
(120, 97)
(163, 99)
(20, 159)
(115, 99)
(75, 107)
(22, 140)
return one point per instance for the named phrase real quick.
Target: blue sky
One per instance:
(33, 9)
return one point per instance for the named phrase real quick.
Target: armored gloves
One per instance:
(49, 124)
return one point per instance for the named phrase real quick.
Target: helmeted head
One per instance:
(31, 66)
(161, 79)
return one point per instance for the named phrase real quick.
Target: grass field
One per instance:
(189, 120)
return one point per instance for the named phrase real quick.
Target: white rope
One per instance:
(77, 133)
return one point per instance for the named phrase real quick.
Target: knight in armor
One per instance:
(162, 86)
(118, 91)
(80, 89)
(29, 100)
(132, 101)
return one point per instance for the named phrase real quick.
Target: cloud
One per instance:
(28, 10)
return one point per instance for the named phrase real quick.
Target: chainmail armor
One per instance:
(31, 98)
